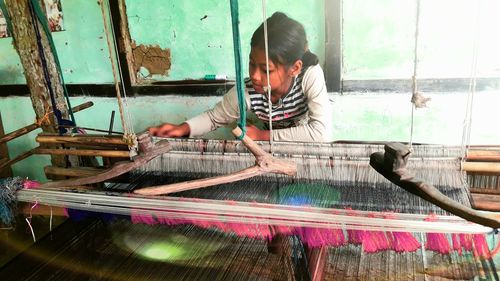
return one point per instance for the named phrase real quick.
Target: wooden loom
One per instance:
(106, 150)
(202, 150)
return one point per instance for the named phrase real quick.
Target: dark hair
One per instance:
(287, 41)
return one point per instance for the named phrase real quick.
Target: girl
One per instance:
(300, 105)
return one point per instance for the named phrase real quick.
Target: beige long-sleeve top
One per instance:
(314, 125)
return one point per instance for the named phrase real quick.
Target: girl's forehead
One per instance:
(258, 55)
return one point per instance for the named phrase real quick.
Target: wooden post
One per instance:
(4, 155)
(25, 43)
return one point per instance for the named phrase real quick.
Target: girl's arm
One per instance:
(318, 127)
(224, 112)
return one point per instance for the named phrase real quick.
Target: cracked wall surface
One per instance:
(198, 34)
(151, 57)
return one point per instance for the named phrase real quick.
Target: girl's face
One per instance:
(280, 77)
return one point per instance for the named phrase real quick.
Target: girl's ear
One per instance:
(295, 69)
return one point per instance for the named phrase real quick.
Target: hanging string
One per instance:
(45, 68)
(268, 87)
(238, 67)
(414, 78)
(467, 124)
(128, 115)
(125, 117)
(28, 220)
(38, 13)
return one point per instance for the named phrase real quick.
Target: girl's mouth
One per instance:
(260, 88)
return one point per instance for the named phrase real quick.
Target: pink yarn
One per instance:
(142, 218)
(282, 229)
(457, 246)
(318, 237)
(403, 242)
(438, 242)
(29, 184)
(466, 241)
(258, 231)
(375, 241)
(481, 249)
(356, 236)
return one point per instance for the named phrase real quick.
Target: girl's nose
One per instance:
(255, 75)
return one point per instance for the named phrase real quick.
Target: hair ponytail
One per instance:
(309, 59)
(287, 41)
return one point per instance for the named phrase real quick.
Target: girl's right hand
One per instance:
(170, 130)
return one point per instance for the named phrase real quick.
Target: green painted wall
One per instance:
(81, 47)
(199, 34)
(198, 47)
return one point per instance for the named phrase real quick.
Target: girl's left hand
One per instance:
(256, 134)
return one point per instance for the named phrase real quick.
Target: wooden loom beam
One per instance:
(36, 125)
(265, 163)
(27, 129)
(72, 172)
(148, 151)
(4, 155)
(483, 155)
(95, 140)
(392, 165)
(485, 201)
(481, 167)
(84, 152)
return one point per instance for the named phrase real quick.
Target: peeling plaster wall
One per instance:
(198, 33)
(81, 47)
(151, 60)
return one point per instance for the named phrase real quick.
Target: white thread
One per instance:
(28, 220)
(255, 213)
(414, 78)
(125, 115)
(467, 124)
(268, 87)
(50, 221)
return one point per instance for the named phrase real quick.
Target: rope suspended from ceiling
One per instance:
(240, 86)
(125, 116)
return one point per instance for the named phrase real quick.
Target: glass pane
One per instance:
(379, 39)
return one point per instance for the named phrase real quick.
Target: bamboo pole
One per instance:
(84, 152)
(483, 155)
(481, 167)
(17, 159)
(34, 126)
(4, 154)
(487, 202)
(118, 168)
(72, 172)
(316, 258)
(485, 190)
(97, 140)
